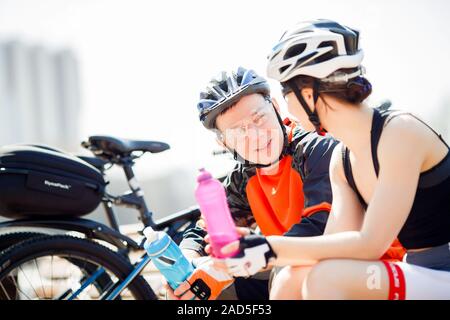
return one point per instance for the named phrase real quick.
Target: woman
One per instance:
(390, 178)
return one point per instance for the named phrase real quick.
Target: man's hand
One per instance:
(180, 293)
(205, 283)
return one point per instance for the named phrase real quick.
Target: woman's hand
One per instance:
(240, 230)
(254, 254)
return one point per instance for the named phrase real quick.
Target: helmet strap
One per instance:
(312, 115)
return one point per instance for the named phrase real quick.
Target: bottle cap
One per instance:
(204, 175)
(150, 234)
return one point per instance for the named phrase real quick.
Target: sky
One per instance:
(143, 63)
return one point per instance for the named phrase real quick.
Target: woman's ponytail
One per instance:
(358, 89)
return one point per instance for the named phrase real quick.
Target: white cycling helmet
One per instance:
(318, 49)
(324, 50)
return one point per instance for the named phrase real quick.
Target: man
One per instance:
(280, 184)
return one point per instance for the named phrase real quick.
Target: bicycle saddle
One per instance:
(118, 146)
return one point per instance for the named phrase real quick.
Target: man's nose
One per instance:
(253, 133)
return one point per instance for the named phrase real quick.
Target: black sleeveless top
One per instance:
(428, 223)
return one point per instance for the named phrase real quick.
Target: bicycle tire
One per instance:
(83, 249)
(9, 239)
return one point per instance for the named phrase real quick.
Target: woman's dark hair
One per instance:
(356, 90)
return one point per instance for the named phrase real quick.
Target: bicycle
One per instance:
(100, 272)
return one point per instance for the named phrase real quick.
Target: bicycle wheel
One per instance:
(65, 267)
(9, 239)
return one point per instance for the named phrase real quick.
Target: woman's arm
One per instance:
(401, 155)
(346, 211)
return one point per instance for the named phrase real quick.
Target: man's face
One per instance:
(252, 129)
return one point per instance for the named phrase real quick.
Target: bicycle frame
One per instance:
(118, 288)
(136, 200)
(92, 229)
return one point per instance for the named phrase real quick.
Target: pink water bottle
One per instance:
(211, 197)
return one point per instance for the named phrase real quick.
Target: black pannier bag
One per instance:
(41, 181)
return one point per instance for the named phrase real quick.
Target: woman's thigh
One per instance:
(347, 279)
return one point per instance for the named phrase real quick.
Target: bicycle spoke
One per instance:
(18, 288)
(64, 294)
(83, 278)
(51, 282)
(88, 281)
(4, 290)
(71, 274)
(108, 290)
(84, 268)
(20, 267)
(40, 277)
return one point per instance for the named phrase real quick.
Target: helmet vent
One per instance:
(224, 86)
(295, 50)
(328, 55)
(282, 69)
(302, 60)
(350, 39)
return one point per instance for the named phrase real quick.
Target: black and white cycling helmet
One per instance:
(318, 49)
(322, 49)
(225, 90)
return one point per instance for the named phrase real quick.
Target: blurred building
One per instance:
(40, 103)
(39, 95)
